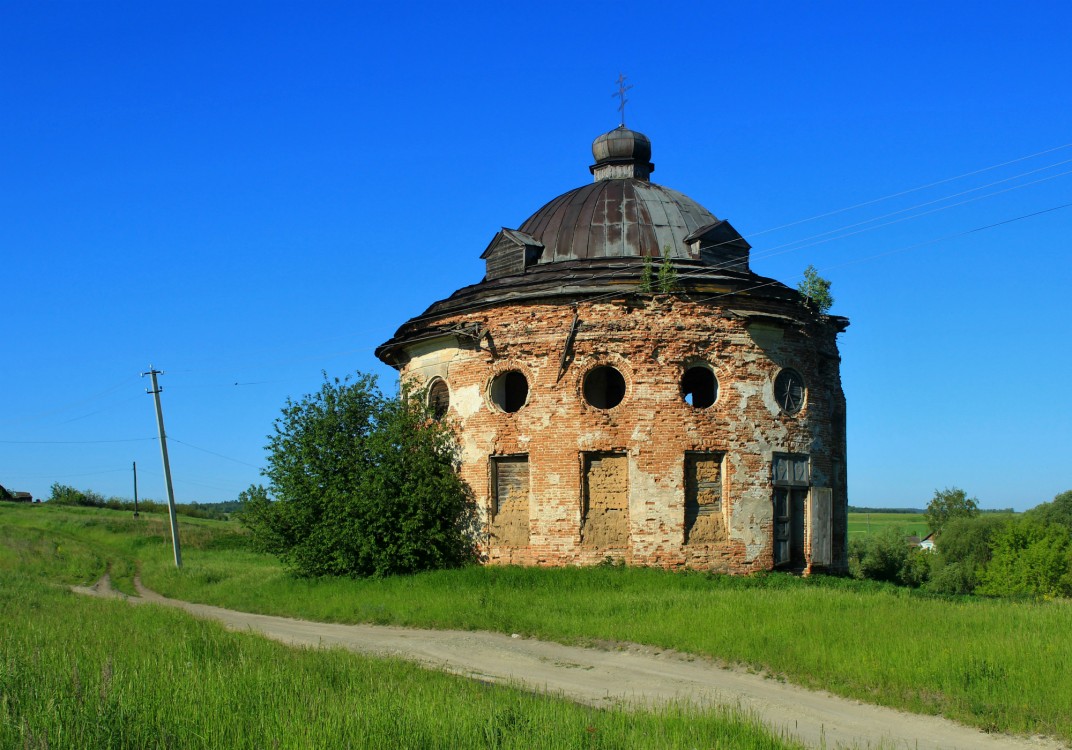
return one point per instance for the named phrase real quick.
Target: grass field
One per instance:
(88, 673)
(861, 524)
(1001, 665)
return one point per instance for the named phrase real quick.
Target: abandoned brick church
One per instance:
(623, 386)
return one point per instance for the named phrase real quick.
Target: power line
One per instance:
(913, 190)
(906, 248)
(73, 442)
(767, 253)
(214, 453)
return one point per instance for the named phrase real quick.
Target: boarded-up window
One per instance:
(791, 470)
(510, 502)
(605, 511)
(703, 498)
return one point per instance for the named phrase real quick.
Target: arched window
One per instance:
(438, 398)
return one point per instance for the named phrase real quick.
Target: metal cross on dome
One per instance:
(622, 88)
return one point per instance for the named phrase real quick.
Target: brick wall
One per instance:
(651, 341)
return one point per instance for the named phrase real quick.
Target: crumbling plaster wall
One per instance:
(651, 343)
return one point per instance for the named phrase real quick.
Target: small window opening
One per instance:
(699, 387)
(439, 398)
(604, 387)
(510, 391)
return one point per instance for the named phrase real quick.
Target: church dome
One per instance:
(617, 218)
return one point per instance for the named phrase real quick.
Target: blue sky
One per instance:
(245, 194)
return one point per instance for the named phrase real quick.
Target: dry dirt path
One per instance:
(600, 678)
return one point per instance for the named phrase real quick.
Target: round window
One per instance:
(789, 391)
(699, 387)
(604, 387)
(439, 398)
(510, 391)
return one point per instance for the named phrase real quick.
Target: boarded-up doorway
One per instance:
(605, 506)
(703, 498)
(509, 525)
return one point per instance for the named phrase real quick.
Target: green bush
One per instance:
(1058, 511)
(887, 556)
(1030, 558)
(963, 552)
(364, 485)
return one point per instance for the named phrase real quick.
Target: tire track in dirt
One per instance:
(621, 677)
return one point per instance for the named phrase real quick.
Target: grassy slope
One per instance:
(997, 664)
(79, 672)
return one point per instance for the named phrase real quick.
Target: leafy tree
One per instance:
(964, 553)
(363, 484)
(816, 290)
(1058, 511)
(952, 502)
(886, 556)
(1030, 558)
(62, 494)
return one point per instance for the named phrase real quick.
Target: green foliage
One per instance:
(647, 276)
(667, 278)
(964, 552)
(62, 494)
(952, 502)
(364, 486)
(1058, 511)
(1030, 558)
(816, 290)
(979, 675)
(886, 556)
(205, 687)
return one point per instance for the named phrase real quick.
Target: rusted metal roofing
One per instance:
(626, 218)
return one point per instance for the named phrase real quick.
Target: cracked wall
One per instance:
(651, 342)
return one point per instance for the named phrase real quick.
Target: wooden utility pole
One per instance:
(135, 489)
(167, 466)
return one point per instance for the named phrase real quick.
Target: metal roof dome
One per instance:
(621, 216)
(617, 218)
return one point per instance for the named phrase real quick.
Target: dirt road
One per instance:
(599, 677)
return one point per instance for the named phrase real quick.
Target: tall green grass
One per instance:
(86, 673)
(999, 665)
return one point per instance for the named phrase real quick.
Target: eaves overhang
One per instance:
(571, 281)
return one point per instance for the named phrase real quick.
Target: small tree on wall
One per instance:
(667, 279)
(647, 276)
(816, 290)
